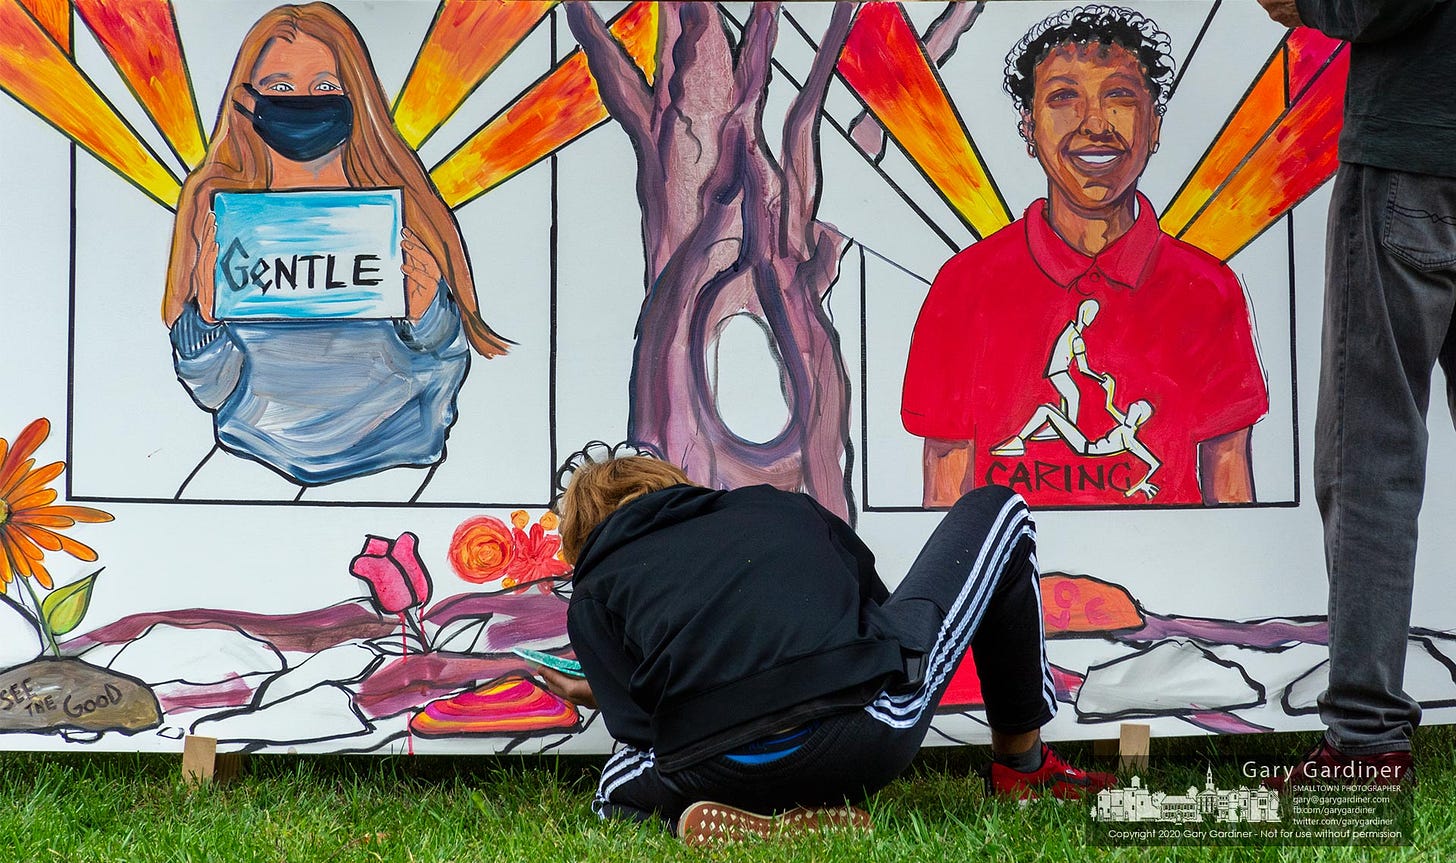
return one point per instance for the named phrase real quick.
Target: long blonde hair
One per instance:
(375, 155)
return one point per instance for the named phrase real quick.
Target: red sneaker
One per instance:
(1328, 766)
(1056, 778)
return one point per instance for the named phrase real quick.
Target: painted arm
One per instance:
(1363, 20)
(1136, 447)
(1079, 356)
(947, 471)
(437, 329)
(1225, 468)
(208, 362)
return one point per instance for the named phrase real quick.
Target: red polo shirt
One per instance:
(1173, 329)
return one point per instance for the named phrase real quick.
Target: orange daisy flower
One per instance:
(29, 524)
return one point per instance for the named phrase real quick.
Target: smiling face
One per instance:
(302, 67)
(1093, 124)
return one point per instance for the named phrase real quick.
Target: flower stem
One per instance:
(411, 616)
(40, 615)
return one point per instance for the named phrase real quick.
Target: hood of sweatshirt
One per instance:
(646, 514)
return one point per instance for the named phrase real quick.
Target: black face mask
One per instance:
(300, 128)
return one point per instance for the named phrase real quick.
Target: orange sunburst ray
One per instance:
(558, 109)
(466, 42)
(55, 17)
(884, 63)
(1277, 147)
(37, 72)
(140, 37)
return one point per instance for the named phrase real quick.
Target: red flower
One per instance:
(393, 570)
(535, 558)
(481, 549)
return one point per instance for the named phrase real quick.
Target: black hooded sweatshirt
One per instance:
(706, 619)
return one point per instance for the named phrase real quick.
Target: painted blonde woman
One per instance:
(321, 401)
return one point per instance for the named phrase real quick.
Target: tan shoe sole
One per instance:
(706, 822)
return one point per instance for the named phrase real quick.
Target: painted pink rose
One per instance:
(396, 576)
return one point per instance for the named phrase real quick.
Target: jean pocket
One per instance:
(1420, 221)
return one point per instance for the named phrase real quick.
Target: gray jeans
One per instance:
(1390, 299)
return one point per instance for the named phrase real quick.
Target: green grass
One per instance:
(95, 808)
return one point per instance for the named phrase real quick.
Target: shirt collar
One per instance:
(1124, 264)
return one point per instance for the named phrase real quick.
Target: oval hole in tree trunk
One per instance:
(747, 380)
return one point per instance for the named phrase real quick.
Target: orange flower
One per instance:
(481, 549)
(29, 525)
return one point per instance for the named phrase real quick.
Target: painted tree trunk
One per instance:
(729, 228)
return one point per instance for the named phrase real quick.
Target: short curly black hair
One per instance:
(1082, 25)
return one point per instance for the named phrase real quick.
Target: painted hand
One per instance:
(421, 275)
(1145, 487)
(205, 279)
(573, 689)
(1283, 11)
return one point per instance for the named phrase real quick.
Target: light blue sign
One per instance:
(309, 256)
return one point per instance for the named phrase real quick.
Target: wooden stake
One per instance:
(203, 764)
(1133, 745)
(229, 766)
(199, 759)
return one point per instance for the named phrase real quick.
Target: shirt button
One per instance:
(1095, 276)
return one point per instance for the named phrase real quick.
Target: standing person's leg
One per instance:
(1388, 312)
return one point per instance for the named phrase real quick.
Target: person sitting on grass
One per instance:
(756, 672)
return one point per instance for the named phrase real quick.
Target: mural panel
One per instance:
(309, 304)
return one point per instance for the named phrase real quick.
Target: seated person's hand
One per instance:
(573, 689)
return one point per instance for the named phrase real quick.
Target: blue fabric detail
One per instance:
(774, 747)
(330, 400)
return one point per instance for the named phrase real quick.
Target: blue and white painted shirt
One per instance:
(329, 400)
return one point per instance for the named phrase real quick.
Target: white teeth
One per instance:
(1098, 160)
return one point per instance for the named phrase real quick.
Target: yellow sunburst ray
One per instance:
(466, 42)
(140, 37)
(556, 110)
(36, 72)
(1278, 146)
(884, 64)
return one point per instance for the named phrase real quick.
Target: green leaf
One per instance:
(66, 606)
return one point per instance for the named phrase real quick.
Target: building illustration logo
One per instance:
(1136, 803)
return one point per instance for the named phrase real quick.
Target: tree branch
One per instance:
(624, 90)
(755, 53)
(940, 41)
(801, 144)
(750, 90)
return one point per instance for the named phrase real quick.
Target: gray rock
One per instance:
(1428, 679)
(68, 694)
(166, 653)
(342, 663)
(1171, 678)
(326, 712)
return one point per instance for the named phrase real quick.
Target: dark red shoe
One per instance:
(1056, 779)
(1328, 766)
